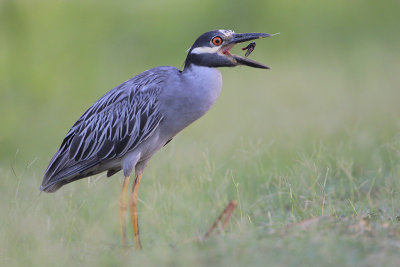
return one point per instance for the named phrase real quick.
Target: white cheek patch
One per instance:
(205, 50)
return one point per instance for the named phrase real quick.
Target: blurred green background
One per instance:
(335, 63)
(331, 100)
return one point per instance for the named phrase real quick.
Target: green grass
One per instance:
(355, 204)
(310, 149)
(339, 168)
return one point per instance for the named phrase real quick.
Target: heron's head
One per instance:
(211, 49)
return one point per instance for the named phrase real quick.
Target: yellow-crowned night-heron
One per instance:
(125, 127)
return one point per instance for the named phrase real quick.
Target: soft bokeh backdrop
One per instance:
(328, 110)
(334, 64)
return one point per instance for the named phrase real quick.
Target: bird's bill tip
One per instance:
(244, 37)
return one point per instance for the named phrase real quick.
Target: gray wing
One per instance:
(116, 124)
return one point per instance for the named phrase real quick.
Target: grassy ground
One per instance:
(321, 190)
(310, 149)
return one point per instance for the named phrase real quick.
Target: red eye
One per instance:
(217, 41)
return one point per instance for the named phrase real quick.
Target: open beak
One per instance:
(240, 38)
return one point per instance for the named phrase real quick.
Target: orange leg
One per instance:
(133, 207)
(123, 205)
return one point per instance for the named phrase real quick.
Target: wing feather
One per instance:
(114, 125)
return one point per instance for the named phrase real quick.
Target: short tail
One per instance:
(62, 170)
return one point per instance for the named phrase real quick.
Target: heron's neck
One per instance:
(203, 84)
(200, 75)
(191, 95)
